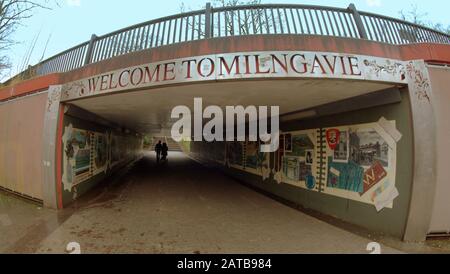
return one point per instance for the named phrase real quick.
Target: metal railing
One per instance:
(67, 60)
(242, 20)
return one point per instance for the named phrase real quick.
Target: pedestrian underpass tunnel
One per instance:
(338, 179)
(358, 119)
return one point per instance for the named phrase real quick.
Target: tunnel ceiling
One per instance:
(148, 111)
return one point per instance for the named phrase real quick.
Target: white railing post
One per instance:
(359, 23)
(208, 15)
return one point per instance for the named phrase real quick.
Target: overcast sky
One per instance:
(76, 20)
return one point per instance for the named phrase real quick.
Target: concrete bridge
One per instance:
(380, 84)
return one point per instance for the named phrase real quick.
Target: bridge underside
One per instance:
(306, 106)
(148, 111)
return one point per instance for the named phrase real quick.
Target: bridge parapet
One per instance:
(242, 20)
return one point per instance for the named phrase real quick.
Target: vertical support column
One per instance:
(425, 146)
(50, 148)
(208, 15)
(90, 50)
(359, 23)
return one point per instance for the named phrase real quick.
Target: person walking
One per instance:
(158, 149)
(164, 151)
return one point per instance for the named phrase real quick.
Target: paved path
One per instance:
(183, 208)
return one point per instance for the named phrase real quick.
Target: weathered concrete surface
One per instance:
(179, 208)
(23, 224)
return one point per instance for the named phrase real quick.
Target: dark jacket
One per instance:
(158, 147)
(165, 149)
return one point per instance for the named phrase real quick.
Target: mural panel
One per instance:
(300, 164)
(362, 166)
(356, 162)
(77, 157)
(256, 162)
(88, 153)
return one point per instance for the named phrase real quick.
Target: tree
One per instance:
(12, 14)
(247, 21)
(239, 22)
(415, 16)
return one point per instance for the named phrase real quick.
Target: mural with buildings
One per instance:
(88, 153)
(362, 166)
(356, 162)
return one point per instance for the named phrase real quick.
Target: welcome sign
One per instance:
(247, 65)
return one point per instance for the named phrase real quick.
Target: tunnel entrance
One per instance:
(311, 168)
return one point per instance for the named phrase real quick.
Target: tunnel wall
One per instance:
(440, 81)
(21, 137)
(91, 153)
(352, 209)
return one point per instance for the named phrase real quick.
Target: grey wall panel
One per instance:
(22, 123)
(440, 81)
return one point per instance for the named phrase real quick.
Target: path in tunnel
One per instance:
(183, 207)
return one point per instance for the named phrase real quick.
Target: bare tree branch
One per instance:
(12, 15)
(415, 16)
(239, 22)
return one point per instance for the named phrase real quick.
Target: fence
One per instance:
(242, 20)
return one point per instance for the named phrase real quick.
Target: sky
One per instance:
(74, 21)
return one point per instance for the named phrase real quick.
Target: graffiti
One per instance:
(74, 89)
(392, 68)
(53, 98)
(420, 81)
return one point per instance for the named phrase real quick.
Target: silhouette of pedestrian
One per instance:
(158, 149)
(164, 151)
